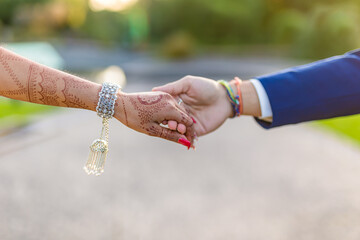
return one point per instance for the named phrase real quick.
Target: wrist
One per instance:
(120, 107)
(228, 109)
(250, 99)
(89, 98)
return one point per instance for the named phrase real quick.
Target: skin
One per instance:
(24, 80)
(206, 100)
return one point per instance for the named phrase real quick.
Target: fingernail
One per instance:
(193, 119)
(185, 142)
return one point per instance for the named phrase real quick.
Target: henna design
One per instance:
(11, 93)
(162, 133)
(49, 85)
(42, 84)
(147, 107)
(4, 62)
(123, 103)
(146, 113)
(71, 100)
(49, 88)
(185, 119)
(149, 101)
(34, 73)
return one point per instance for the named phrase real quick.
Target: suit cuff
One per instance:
(266, 111)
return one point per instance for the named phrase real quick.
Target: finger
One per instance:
(188, 122)
(165, 133)
(179, 116)
(181, 128)
(185, 108)
(174, 88)
(172, 125)
(182, 106)
(191, 135)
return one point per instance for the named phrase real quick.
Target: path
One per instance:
(291, 183)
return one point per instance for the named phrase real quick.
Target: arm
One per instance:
(324, 89)
(206, 100)
(320, 90)
(24, 80)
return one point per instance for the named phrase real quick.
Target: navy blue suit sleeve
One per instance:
(324, 89)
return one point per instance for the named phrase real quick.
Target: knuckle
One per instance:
(187, 78)
(167, 96)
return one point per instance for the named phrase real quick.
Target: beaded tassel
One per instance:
(100, 147)
(98, 152)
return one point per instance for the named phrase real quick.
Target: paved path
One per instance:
(291, 183)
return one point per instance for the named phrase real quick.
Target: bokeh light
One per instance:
(113, 74)
(110, 5)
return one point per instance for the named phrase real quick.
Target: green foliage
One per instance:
(287, 26)
(331, 30)
(346, 126)
(8, 8)
(15, 114)
(20, 110)
(210, 22)
(314, 29)
(105, 26)
(178, 45)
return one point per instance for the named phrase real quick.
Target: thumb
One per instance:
(175, 88)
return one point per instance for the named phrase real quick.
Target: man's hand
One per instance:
(204, 99)
(145, 111)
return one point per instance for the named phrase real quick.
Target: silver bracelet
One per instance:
(100, 147)
(106, 104)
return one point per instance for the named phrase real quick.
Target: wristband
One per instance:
(238, 96)
(99, 148)
(235, 100)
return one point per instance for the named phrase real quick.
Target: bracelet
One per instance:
(106, 104)
(100, 147)
(235, 100)
(238, 96)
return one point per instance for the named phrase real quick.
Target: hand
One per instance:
(145, 111)
(204, 99)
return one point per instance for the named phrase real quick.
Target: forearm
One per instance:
(323, 89)
(24, 80)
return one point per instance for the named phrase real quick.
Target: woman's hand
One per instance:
(144, 112)
(204, 99)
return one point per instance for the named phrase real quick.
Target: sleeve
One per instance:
(266, 112)
(323, 89)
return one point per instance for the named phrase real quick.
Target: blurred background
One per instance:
(296, 182)
(310, 29)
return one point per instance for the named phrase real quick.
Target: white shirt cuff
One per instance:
(265, 106)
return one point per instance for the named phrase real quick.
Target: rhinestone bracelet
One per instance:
(99, 148)
(106, 104)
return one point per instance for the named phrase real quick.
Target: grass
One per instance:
(15, 113)
(346, 126)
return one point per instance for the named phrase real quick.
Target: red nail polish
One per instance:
(193, 119)
(184, 142)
